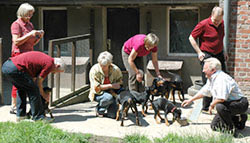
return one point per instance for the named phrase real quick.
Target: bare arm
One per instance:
(201, 55)
(18, 40)
(212, 105)
(131, 59)
(155, 63)
(187, 102)
(40, 86)
(107, 86)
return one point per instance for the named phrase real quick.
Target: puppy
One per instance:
(45, 104)
(159, 87)
(142, 98)
(167, 107)
(174, 84)
(126, 100)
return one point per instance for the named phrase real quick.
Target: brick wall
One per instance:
(239, 44)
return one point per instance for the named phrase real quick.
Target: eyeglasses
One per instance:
(29, 14)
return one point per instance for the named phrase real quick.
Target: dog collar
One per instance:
(173, 109)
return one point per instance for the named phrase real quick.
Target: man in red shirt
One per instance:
(27, 72)
(210, 32)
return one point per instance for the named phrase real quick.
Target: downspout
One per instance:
(226, 18)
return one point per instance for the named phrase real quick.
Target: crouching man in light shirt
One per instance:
(227, 98)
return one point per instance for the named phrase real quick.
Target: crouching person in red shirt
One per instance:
(27, 72)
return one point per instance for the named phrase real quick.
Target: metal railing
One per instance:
(56, 43)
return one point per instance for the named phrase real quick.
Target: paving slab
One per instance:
(81, 118)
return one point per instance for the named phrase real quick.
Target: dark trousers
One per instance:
(25, 87)
(226, 111)
(133, 84)
(220, 57)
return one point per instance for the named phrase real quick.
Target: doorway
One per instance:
(122, 23)
(54, 23)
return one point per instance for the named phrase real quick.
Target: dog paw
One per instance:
(157, 122)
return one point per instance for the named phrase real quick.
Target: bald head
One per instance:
(217, 11)
(217, 15)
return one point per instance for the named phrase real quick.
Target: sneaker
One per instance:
(12, 110)
(20, 118)
(204, 111)
(97, 114)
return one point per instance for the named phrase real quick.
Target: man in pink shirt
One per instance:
(27, 72)
(210, 33)
(132, 52)
(24, 37)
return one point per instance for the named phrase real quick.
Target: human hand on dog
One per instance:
(139, 77)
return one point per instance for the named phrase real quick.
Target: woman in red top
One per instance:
(24, 37)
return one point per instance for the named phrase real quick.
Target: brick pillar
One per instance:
(239, 44)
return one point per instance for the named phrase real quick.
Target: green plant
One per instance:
(136, 138)
(37, 132)
(174, 138)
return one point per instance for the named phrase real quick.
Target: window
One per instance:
(181, 23)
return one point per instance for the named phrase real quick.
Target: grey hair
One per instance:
(24, 9)
(151, 39)
(213, 63)
(218, 10)
(60, 62)
(105, 58)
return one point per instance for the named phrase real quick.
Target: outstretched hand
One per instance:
(185, 103)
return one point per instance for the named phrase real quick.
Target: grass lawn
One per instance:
(40, 132)
(248, 118)
(37, 132)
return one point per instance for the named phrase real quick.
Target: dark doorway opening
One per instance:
(122, 23)
(54, 25)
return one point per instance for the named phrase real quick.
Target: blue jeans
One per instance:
(106, 102)
(25, 86)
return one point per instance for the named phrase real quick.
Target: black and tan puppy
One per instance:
(175, 84)
(126, 100)
(159, 87)
(167, 107)
(142, 98)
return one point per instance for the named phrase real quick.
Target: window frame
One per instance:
(168, 29)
